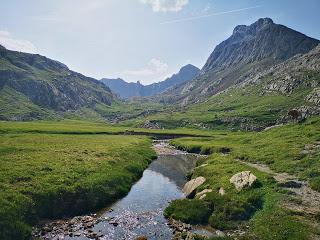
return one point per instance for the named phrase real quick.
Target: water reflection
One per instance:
(141, 211)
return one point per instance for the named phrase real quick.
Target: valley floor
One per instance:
(56, 169)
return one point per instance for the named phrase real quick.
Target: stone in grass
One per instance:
(220, 233)
(203, 193)
(243, 179)
(190, 187)
(221, 191)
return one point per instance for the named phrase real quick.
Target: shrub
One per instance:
(315, 183)
(229, 212)
(189, 211)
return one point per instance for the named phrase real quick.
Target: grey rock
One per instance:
(221, 191)
(203, 193)
(243, 179)
(190, 187)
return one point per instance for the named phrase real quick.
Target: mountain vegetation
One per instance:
(36, 87)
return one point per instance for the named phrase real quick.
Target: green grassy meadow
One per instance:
(247, 107)
(259, 206)
(51, 169)
(45, 175)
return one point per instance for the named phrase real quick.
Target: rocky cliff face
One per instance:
(301, 71)
(47, 84)
(246, 53)
(261, 40)
(298, 75)
(127, 90)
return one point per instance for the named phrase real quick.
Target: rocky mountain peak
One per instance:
(262, 23)
(259, 41)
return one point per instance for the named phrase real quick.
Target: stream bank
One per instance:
(140, 213)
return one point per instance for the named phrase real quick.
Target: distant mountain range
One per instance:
(128, 90)
(246, 53)
(35, 87)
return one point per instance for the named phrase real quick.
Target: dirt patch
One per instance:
(305, 202)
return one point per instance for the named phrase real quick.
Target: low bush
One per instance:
(315, 184)
(229, 212)
(189, 211)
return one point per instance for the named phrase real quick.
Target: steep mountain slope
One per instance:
(288, 91)
(33, 87)
(127, 90)
(249, 50)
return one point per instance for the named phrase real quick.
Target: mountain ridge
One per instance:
(42, 87)
(248, 51)
(286, 92)
(129, 89)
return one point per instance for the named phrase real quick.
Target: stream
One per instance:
(140, 213)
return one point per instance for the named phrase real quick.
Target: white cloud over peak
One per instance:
(14, 44)
(155, 67)
(166, 5)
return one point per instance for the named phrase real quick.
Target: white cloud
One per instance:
(12, 43)
(155, 67)
(166, 5)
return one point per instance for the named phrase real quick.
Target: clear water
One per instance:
(140, 213)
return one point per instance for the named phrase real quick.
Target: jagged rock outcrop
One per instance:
(314, 97)
(302, 70)
(150, 125)
(300, 113)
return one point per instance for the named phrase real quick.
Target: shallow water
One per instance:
(140, 213)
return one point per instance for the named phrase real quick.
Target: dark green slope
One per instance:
(36, 87)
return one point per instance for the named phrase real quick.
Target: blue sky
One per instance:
(144, 40)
